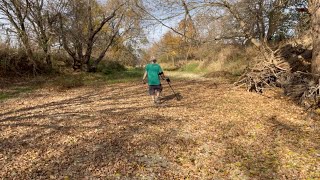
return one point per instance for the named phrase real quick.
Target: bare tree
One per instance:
(79, 31)
(42, 21)
(16, 12)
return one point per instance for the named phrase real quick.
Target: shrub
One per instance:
(13, 62)
(110, 67)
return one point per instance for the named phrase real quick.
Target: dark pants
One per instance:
(154, 88)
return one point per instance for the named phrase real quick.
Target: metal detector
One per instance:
(173, 91)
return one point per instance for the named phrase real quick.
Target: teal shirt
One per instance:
(153, 71)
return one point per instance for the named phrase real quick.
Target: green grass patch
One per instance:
(80, 79)
(15, 91)
(128, 75)
(19, 90)
(63, 82)
(4, 96)
(100, 78)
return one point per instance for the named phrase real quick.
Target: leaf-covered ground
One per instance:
(115, 132)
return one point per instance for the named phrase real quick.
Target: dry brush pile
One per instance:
(288, 67)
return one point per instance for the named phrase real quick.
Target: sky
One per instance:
(153, 32)
(156, 31)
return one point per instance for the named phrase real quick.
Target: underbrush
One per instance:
(17, 75)
(230, 61)
(15, 62)
(111, 67)
(69, 81)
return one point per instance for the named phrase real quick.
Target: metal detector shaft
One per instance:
(173, 91)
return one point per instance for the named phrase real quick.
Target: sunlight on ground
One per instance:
(114, 131)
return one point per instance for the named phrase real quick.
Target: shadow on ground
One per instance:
(115, 133)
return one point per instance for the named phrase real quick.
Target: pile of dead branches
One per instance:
(261, 76)
(277, 70)
(301, 87)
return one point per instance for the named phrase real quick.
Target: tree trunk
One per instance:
(27, 47)
(273, 17)
(315, 18)
(77, 64)
(173, 61)
(188, 52)
(46, 50)
(94, 66)
(260, 21)
(48, 60)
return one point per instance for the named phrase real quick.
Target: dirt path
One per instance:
(114, 132)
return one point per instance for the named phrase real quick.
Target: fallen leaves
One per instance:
(114, 132)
